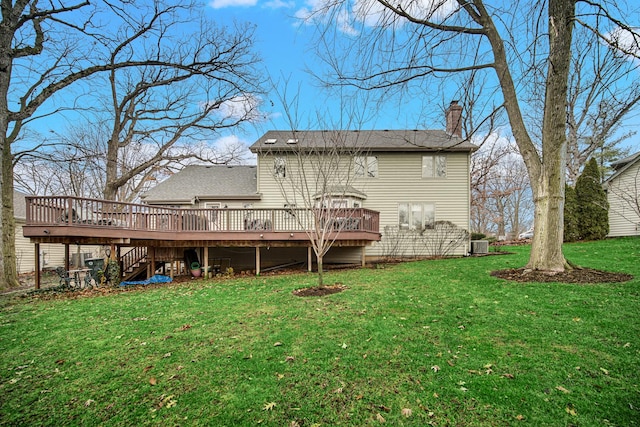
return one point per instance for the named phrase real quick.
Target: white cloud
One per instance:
(219, 4)
(242, 107)
(280, 4)
(372, 14)
(627, 41)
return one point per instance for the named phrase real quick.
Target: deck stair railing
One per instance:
(132, 259)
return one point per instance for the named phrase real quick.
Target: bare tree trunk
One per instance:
(8, 270)
(548, 183)
(320, 272)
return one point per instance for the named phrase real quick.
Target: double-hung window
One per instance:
(434, 166)
(365, 166)
(279, 167)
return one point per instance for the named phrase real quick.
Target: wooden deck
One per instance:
(72, 220)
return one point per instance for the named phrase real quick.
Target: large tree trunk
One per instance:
(548, 184)
(547, 173)
(8, 270)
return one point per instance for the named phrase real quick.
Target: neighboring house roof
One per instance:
(19, 205)
(622, 165)
(214, 182)
(362, 140)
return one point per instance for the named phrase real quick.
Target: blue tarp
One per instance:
(158, 278)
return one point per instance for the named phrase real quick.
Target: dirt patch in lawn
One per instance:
(319, 291)
(577, 275)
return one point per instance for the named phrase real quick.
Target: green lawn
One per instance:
(423, 343)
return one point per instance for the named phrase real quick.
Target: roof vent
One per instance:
(270, 141)
(292, 141)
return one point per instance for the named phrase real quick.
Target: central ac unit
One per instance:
(479, 247)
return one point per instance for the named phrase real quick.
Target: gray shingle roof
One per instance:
(363, 140)
(213, 182)
(620, 166)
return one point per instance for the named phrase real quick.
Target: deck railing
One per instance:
(83, 212)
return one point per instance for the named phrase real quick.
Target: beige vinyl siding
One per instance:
(399, 181)
(624, 219)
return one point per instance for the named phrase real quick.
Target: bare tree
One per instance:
(519, 45)
(315, 172)
(600, 97)
(208, 83)
(47, 48)
(500, 189)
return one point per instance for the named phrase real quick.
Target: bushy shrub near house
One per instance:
(593, 215)
(571, 221)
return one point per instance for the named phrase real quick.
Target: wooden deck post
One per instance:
(364, 256)
(257, 260)
(309, 259)
(66, 256)
(37, 266)
(206, 261)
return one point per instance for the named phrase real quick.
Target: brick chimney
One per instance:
(453, 116)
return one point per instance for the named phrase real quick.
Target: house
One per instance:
(51, 255)
(392, 192)
(413, 178)
(623, 195)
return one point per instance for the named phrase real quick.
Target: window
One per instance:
(339, 203)
(279, 167)
(434, 166)
(416, 216)
(365, 166)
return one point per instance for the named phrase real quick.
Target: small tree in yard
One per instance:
(315, 173)
(593, 218)
(571, 222)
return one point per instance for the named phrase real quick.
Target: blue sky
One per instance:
(285, 44)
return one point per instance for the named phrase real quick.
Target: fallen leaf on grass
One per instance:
(562, 389)
(277, 344)
(384, 408)
(435, 368)
(269, 406)
(604, 371)
(153, 381)
(167, 402)
(89, 402)
(184, 327)
(571, 410)
(147, 368)
(380, 418)
(509, 376)
(407, 412)
(520, 417)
